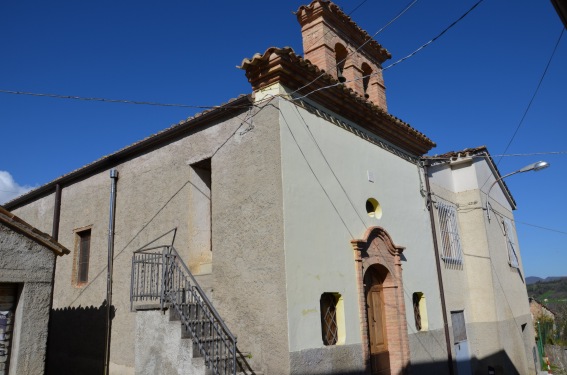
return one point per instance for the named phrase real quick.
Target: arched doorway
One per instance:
(377, 334)
(383, 317)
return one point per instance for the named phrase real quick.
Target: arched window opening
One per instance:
(340, 59)
(366, 73)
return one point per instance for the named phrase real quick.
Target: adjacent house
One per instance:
(297, 219)
(481, 267)
(27, 264)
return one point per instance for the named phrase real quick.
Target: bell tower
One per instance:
(333, 42)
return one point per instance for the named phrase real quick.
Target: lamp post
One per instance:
(538, 166)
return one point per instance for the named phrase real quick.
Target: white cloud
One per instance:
(10, 189)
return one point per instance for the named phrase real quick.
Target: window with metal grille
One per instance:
(511, 243)
(419, 311)
(329, 322)
(83, 255)
(450, 240)
(416, 312)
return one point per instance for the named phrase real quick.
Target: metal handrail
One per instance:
(163, 275)
(202, 293)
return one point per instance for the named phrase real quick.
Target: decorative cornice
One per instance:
(373, 233)
(330, 13)
(282, 65)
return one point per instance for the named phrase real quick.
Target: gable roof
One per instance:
(109, 161)
(284, 66)
(12, 221)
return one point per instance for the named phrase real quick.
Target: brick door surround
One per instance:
(377, 248)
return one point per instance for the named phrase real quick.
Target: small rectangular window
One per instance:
(511, 243)
(420, 311)
(450, 239)
(83, 250)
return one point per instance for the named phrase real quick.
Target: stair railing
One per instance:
(158, 273)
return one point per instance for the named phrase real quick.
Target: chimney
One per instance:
(331, 40)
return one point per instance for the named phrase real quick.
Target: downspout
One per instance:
(56, 213)
(55, 236)
(111, 220)
(438, 265)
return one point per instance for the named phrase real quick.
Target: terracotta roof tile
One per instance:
(325, 79)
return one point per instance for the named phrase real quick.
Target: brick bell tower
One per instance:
(331, 40)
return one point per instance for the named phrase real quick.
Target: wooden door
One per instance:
(379, 354)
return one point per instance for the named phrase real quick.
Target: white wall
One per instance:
(325, 192)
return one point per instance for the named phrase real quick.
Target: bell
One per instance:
(340, 76)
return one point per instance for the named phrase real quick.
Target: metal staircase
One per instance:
(159, 274)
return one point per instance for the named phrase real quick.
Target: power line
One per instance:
(501, 215)
(356, 8)
(530, 102)
(540, 227)
(535, 92)
(359, 47)
(106, 100)
(400, 60)
(436, 37)
(502, 155)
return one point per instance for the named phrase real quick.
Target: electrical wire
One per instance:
(400, 60)
(531, 101)
(502, 155)
(362, 45)
(348, 14)
(534, 94)
(124, 101)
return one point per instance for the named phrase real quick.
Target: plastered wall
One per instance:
(326, 184)
(30, 265)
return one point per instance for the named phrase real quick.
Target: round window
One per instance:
(373, 208)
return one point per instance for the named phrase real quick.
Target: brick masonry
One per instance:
(377, 248)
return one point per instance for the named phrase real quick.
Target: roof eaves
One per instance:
(111, 160)
(477, 151)
(284, 66)
(19, 225)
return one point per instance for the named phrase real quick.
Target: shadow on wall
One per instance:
(76, 340)
(498, 362)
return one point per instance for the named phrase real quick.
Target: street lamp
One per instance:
(538, 166)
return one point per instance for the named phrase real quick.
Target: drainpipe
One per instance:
(439, 276)
(111, 220)
(56, 213)
(55, 236)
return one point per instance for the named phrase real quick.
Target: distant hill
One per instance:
(554, 289)
(535, 279)
(532, 280)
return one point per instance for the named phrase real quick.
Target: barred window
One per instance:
(451, 242)
(332, 319)
(511, 243)
(420, 311)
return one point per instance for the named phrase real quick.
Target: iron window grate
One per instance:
(451, 241)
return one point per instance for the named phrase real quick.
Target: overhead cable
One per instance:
(530, 102)
(359, 47)
(106, 100)
(400, 60)
(535, 92)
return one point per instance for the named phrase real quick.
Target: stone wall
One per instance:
(29, 265)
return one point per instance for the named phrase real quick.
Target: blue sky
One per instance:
(469, 88)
